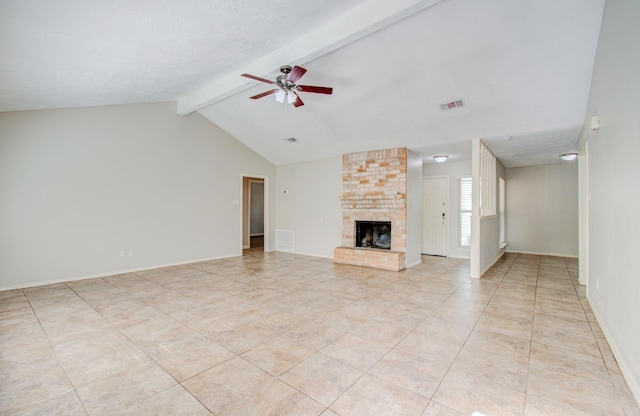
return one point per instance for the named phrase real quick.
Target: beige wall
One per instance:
(613, 285)
(79, 186)
(414, 209)
(542, 209)
(311, 206)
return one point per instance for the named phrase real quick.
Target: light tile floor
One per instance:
(283, 334)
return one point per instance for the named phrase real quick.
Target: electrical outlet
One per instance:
(130, 252)
(121, 253)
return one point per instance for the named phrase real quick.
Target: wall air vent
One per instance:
(291, 140)
(452, 105)
(284, 240)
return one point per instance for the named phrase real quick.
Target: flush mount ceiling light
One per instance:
(569, 156)
(441, 158)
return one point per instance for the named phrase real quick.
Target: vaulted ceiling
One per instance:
(521, 67)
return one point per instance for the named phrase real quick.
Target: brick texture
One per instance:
(378, 259)
(374, 188)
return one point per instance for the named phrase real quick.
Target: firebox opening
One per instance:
(373, 234)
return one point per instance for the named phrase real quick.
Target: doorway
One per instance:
(434, 216)
(255, 208)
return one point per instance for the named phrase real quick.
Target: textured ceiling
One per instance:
(77, 53)
(523, 68)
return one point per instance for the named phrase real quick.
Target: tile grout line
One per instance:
(177, 382)
(53, 350)
(366, 372)
(545, 285)
(470, 332)
(533, 319)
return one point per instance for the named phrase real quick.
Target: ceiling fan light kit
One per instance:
(289, 96)
(287, 87)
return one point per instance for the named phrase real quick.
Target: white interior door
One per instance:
(435, 216)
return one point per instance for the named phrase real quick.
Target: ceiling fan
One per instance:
(287, 90)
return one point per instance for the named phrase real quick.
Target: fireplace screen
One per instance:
(373, 234)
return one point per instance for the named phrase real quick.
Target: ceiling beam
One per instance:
(356, 23)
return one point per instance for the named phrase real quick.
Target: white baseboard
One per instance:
(535, 253)
(486, 269)
(460, 257)
(112, 273)
(634, 385)
(306, 254)
(415, 263)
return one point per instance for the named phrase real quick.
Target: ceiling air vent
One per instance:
(291, 140)
(452, 105)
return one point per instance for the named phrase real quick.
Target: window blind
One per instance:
(464, 217)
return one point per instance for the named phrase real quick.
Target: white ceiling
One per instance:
(522, 67)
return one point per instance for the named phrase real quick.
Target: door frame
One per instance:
(446, 211)
(267, 228)
(251, 181)
(583, 215)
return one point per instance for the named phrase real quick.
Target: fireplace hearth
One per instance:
(373, 234)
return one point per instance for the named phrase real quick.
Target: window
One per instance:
(464, 216)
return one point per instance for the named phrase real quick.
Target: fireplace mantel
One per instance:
(374, 203)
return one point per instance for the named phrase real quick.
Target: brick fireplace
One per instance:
(374, 189)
